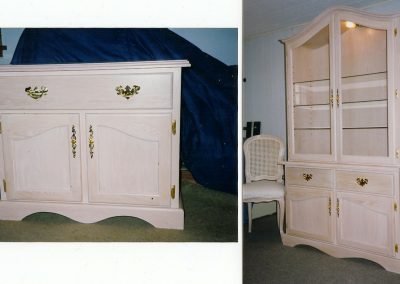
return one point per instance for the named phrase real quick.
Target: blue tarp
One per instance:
(209, 87)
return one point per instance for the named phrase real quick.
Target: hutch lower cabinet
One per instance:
(92, 141)
(343, 113)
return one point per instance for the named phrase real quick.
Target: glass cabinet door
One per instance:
(312, 118)
(363, 91)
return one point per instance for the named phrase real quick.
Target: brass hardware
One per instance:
(173, 192)
(396, 93)
(307, 177)
(362, 181)
(395, 206)
(73, 141)
(91, 141)
(36, 93)
(330, 206)
(337, 97)
(396, 248)
(173, 127)
(331, 98)
(1, 130)
(395, 31)
(4, 185)
(337, 206)
(397, 153)
(127, 92)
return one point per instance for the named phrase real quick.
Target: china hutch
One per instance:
(343, 129)
(91, 141)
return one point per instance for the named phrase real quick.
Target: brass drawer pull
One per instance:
(330, 206)
(362, 181)
(337, 207)
(91, 142)
(307, 177)
(73, 141)
(36, 93)
(127, 92)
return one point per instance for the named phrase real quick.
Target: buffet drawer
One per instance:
(73, 90)
(309, 177)
(372, 182)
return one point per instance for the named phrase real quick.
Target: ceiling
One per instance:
(263, 16)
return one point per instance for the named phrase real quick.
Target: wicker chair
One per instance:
(264, 174)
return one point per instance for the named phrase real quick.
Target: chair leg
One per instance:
(249, 209)
(281, 214)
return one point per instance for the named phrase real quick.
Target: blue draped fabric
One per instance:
(209, 87)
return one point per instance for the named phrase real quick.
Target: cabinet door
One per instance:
(309, 213)
(42, 156)
(311, 114)
(129, 158)
(364, 81)
(365, 222)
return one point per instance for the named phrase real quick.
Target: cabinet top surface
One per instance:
(96, 66)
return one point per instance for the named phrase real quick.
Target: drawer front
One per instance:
(309, 177)
(87, 91)
(382, 183)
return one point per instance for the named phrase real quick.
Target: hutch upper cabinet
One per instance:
(343, 107)
(91, 141)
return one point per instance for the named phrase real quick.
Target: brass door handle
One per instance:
(362, 181)
(91, 142)
(36, 93)
(337, 206)
(307, 177)
(73, 141)
(128, 91)
(330, 206)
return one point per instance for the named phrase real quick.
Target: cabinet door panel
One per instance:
(309, 213)
(40, 161)
(131, 159)
(364, 82)
(366, 222)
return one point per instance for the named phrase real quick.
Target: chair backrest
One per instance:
(262, 154)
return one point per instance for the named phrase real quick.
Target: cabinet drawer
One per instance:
(382, 183)
(309, 177)
(87, 91)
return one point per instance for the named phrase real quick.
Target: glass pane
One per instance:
(364, 90)
(311, 112)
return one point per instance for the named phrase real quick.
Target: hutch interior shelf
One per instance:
(343, 114)
(92, 141)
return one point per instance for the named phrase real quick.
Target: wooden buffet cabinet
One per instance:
(343, 129)
(92, 141)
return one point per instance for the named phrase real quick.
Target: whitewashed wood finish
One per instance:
(136, 155)
(313, 142)
(381, 183)
(359, 58)
(364, 88)
(359, 140)
(167, 218)
(366, 222)
(319, 177)
(38, 157)
(65, 91)
(131, 159)
(308, 214)
(389, 263)
(370, 142)
(311, 59)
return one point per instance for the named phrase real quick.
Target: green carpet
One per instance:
(210, 216)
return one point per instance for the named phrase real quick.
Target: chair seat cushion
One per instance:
(263, 190)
